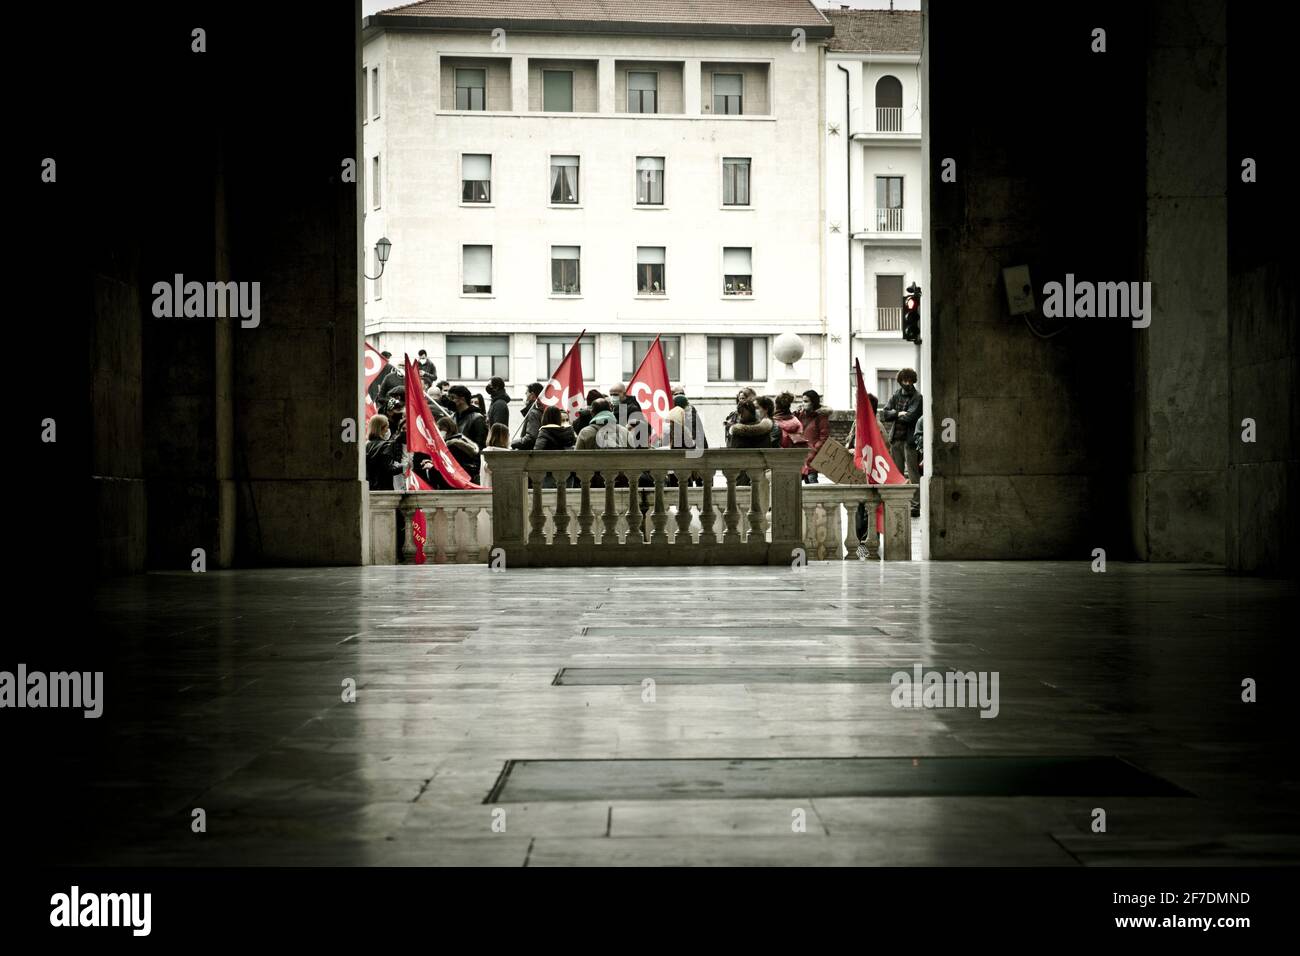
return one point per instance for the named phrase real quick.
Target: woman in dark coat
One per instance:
(554, 434)
(383, 455)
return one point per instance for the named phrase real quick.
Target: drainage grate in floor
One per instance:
(535, 781)
(732, 630)
(606, 676)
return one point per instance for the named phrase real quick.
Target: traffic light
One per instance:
(912, 314)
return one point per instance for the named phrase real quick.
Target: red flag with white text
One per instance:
(651, 389)
(422, 435)
(870, 453)
(565, 387)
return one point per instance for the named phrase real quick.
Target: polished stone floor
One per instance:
(226, 690)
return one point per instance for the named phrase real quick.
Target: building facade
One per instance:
(542, 173)
(874, 185)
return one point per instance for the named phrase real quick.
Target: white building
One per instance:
(874, 186)
(541, 170)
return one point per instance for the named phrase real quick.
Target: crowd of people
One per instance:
(475, 426)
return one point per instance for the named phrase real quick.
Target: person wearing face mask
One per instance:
(904, 410)
(815, 427)
(383, 455)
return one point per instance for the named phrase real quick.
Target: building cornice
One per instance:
(378, 23)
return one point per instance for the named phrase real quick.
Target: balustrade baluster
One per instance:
(436, 525)
(732, 514)
(635, 535)
(537, 518)
(585, 514)
(610, 518)
(561, 511)
(708, 514)
(683, 535)
(756, 531)
(659, 520)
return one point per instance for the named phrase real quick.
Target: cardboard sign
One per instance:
(836, 462)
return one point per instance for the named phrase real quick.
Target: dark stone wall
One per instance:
(1049, 142)
(175, 433)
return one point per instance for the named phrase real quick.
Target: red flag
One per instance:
(651, 389)
(565, 387)
(422, 435)
(374, 364)
(870, 453)
(419, 533)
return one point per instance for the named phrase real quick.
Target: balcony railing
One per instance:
(889, 220)
(647, 521)
(889, 319)
(889, 119)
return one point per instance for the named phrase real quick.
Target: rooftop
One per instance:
(730, 17)
(875, 31)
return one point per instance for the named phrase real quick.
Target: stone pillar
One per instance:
(1179, 494)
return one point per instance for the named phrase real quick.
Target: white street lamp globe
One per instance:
(788, 348)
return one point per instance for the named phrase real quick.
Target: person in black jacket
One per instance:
(462, 449)
(554, 434)
(469, 420)
(383, 455)
(426, 366)
(499, 409)
(904, 409)
(532, 419)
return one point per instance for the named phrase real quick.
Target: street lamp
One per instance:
(382, 248)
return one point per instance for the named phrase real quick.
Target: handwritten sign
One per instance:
(836, 462)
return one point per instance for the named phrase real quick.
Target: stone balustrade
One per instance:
(643, 517)
(759, 522)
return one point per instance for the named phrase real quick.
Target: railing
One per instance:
(889, 119)
(760, 524)
(460, 524)
(889, 220)
(889, 319)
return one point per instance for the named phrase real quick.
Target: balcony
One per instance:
(886, 128)
(891, 226)
(889, 319)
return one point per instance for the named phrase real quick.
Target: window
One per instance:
(551, 350)
(374, 92)
(889, 203)
(735, 182)
(476, 358)
(728, 97)
(886, 384)
(378, 268)
(650, 270)
(476, 177)
(564, 180)
(635, 348)
(642, 92)
(365, 94)
(374, 181)
(557, 91)
(476, 269)
(471, 89)
(738, 271)
(741, 359)
(565, 278)
(649, 180)
(889, 105)
(889, 303)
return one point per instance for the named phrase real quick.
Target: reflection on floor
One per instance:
(226, 695)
